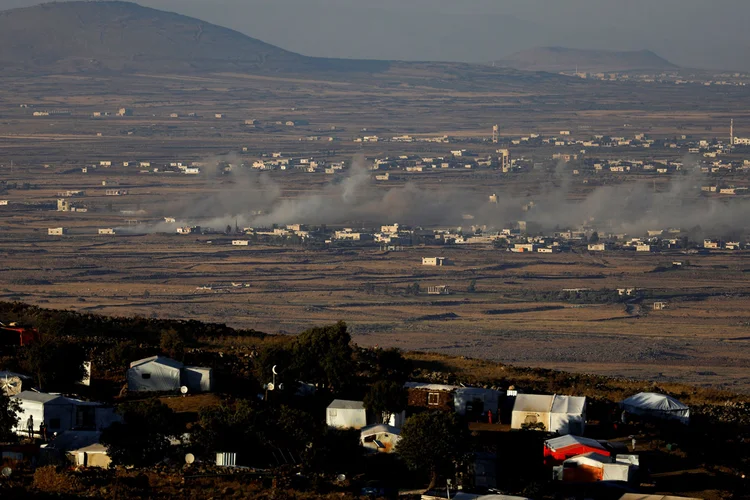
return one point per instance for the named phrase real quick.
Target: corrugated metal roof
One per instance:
(343, 404)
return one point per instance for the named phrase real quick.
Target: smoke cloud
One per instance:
(254, 199)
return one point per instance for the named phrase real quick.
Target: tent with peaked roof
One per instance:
(652, 404)
(155, 373)
(561, 414)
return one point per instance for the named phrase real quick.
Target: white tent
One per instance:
(561, 414)
(197, 378)
(657, 405)
(380, 437)
(93, 455)
(343, 414)
(156, 373)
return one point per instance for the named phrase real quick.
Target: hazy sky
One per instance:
(693, 33)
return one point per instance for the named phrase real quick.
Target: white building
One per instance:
(56, 231)
(240, 243)
(161, 374)
(343, 414)
(108, 230)
(60, 413)
(435, 261)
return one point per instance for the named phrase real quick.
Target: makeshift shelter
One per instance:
(343, 414)
(93, 455)
(61, 414)
(380, 438)
(161, 374)
(593, 467)
(654, 405)
(559, 449)
(156, 373)
(561, 414)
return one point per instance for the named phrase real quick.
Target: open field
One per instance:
(702, 338)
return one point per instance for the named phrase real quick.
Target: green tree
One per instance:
(433, 442)
(324, 355)
(9, 409)
(143, 438)
(472, 286)
(390, 364)
(228, 428)
(54, 364)
(594, 237)
(384, 399)
(172, 344)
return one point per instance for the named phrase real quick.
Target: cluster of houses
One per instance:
(69, 427)
(518, 237)
(568, 454)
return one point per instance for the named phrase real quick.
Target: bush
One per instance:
(51, 480)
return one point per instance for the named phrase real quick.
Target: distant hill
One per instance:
(123, 36)
(557, 59)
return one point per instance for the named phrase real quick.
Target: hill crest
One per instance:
(83, 36)
(557, 59)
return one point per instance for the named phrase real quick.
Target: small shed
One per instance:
(343, 414)
(198, 378)
(380, 438)
(655, 405)
(93, 455)
(155, 373)
(593, 467)
(555, 413)
(559, 449)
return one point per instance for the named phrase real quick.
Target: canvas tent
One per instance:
(656, 405)
(593, 467)
(561, 414)
(380, 438)
(161, 374)
(343, 414)
(559, 449)
(93, 455)
(155, 373)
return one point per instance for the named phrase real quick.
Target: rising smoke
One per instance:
(356, 199)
